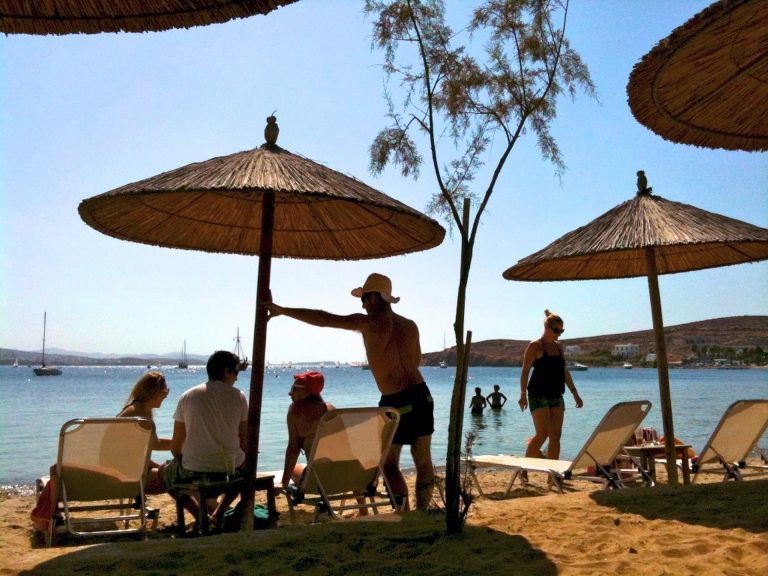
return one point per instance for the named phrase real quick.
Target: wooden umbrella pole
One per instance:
(663, 368)
(259, 345)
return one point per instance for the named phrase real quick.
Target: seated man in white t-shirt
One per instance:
(210, 427)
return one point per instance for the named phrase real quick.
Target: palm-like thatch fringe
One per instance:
(707, 83)
(613, 246)
(215, 206)
(94, 16)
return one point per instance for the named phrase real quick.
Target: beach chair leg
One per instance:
(326, 503)
(555, 481)
(291, 513)
(644, 470)
(731, 472)
(648, 478)
(477, 483)
(515, 474)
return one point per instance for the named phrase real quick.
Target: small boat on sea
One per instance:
(627, 366)
(15, 363)
(240, 354)
(443, 363)
(44, 370)
(576, 367)
(183, 362)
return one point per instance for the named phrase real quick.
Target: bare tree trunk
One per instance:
(456, 422)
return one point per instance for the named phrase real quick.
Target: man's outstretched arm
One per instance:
(320, 318)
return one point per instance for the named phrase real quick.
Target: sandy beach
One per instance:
(704, 529)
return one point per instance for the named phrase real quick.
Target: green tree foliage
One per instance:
(455, 97)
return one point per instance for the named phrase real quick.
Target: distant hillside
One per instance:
(733, 332)
(63, 358)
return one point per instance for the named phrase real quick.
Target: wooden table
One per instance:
(647, 454)
(202, 490)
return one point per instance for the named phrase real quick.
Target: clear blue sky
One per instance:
(82, 115)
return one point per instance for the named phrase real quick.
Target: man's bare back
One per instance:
(393, 350)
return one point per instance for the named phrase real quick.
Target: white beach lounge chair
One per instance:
(346, 457)
(593, 463)
(740, 428)
(100, 468)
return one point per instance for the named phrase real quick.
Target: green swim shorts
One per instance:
(536, 402)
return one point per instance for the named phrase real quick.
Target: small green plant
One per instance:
(466, 497)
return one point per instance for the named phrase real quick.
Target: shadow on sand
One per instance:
(416, 545)
(728, 505)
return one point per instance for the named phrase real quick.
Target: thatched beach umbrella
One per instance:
(267, 202)
(647, 236)
(91, 17)
(706, 84)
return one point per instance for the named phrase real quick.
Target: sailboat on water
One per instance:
(240, 354)
(44, 370)
(183, 362)
(443, 363)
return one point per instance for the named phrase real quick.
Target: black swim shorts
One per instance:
(416, 412)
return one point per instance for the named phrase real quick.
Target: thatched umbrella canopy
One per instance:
(89, 17)
(647, 236)
(217, 206)
(267, 202)
(706, 84)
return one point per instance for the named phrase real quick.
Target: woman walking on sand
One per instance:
(543, 394)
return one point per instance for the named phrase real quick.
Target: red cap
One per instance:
(313, 382)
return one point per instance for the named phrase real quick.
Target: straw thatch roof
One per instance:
(613, 246)
(215, 206)
(94, 16)
(707, 83)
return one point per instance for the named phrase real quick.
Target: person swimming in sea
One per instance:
(478, 402)
(496, 399)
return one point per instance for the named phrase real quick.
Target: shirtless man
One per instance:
(496, 399)
(394, 353)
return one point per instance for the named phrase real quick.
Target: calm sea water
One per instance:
(32, 409)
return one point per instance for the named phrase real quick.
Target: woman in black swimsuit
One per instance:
(543, 394)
